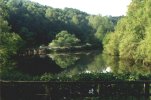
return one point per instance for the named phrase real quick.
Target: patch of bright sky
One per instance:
(102, 7)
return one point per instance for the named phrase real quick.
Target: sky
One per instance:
(97, 7)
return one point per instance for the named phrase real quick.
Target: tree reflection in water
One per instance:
(70, 64)
(64, 60)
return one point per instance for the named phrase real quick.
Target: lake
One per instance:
(62, 66)
(69, 64)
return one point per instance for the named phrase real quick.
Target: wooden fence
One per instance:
(59, 90)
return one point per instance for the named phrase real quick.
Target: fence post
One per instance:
(147, 94)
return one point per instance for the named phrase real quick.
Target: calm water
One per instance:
(70, 63)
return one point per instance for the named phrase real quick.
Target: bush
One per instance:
(64, 39)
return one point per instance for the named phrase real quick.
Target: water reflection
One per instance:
(36, 65)
(69, 64)
(64, 60)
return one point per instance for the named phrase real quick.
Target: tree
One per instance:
(64, 39)
(75, 20)
(132, 34)
(10, 42)
(102, 26)
(50, 14)
(3, 25)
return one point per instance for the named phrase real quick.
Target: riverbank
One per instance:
(47, 49)
(75, 48)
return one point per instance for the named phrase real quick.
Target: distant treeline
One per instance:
(38, 24)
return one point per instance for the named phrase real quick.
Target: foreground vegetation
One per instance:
(79, 77)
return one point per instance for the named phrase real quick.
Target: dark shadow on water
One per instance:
(37, 65)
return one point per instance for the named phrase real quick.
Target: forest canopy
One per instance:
(38, 24)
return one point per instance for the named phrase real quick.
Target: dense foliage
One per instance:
(64, 39)
(131, 39)
(38, 24)
(9, 42)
